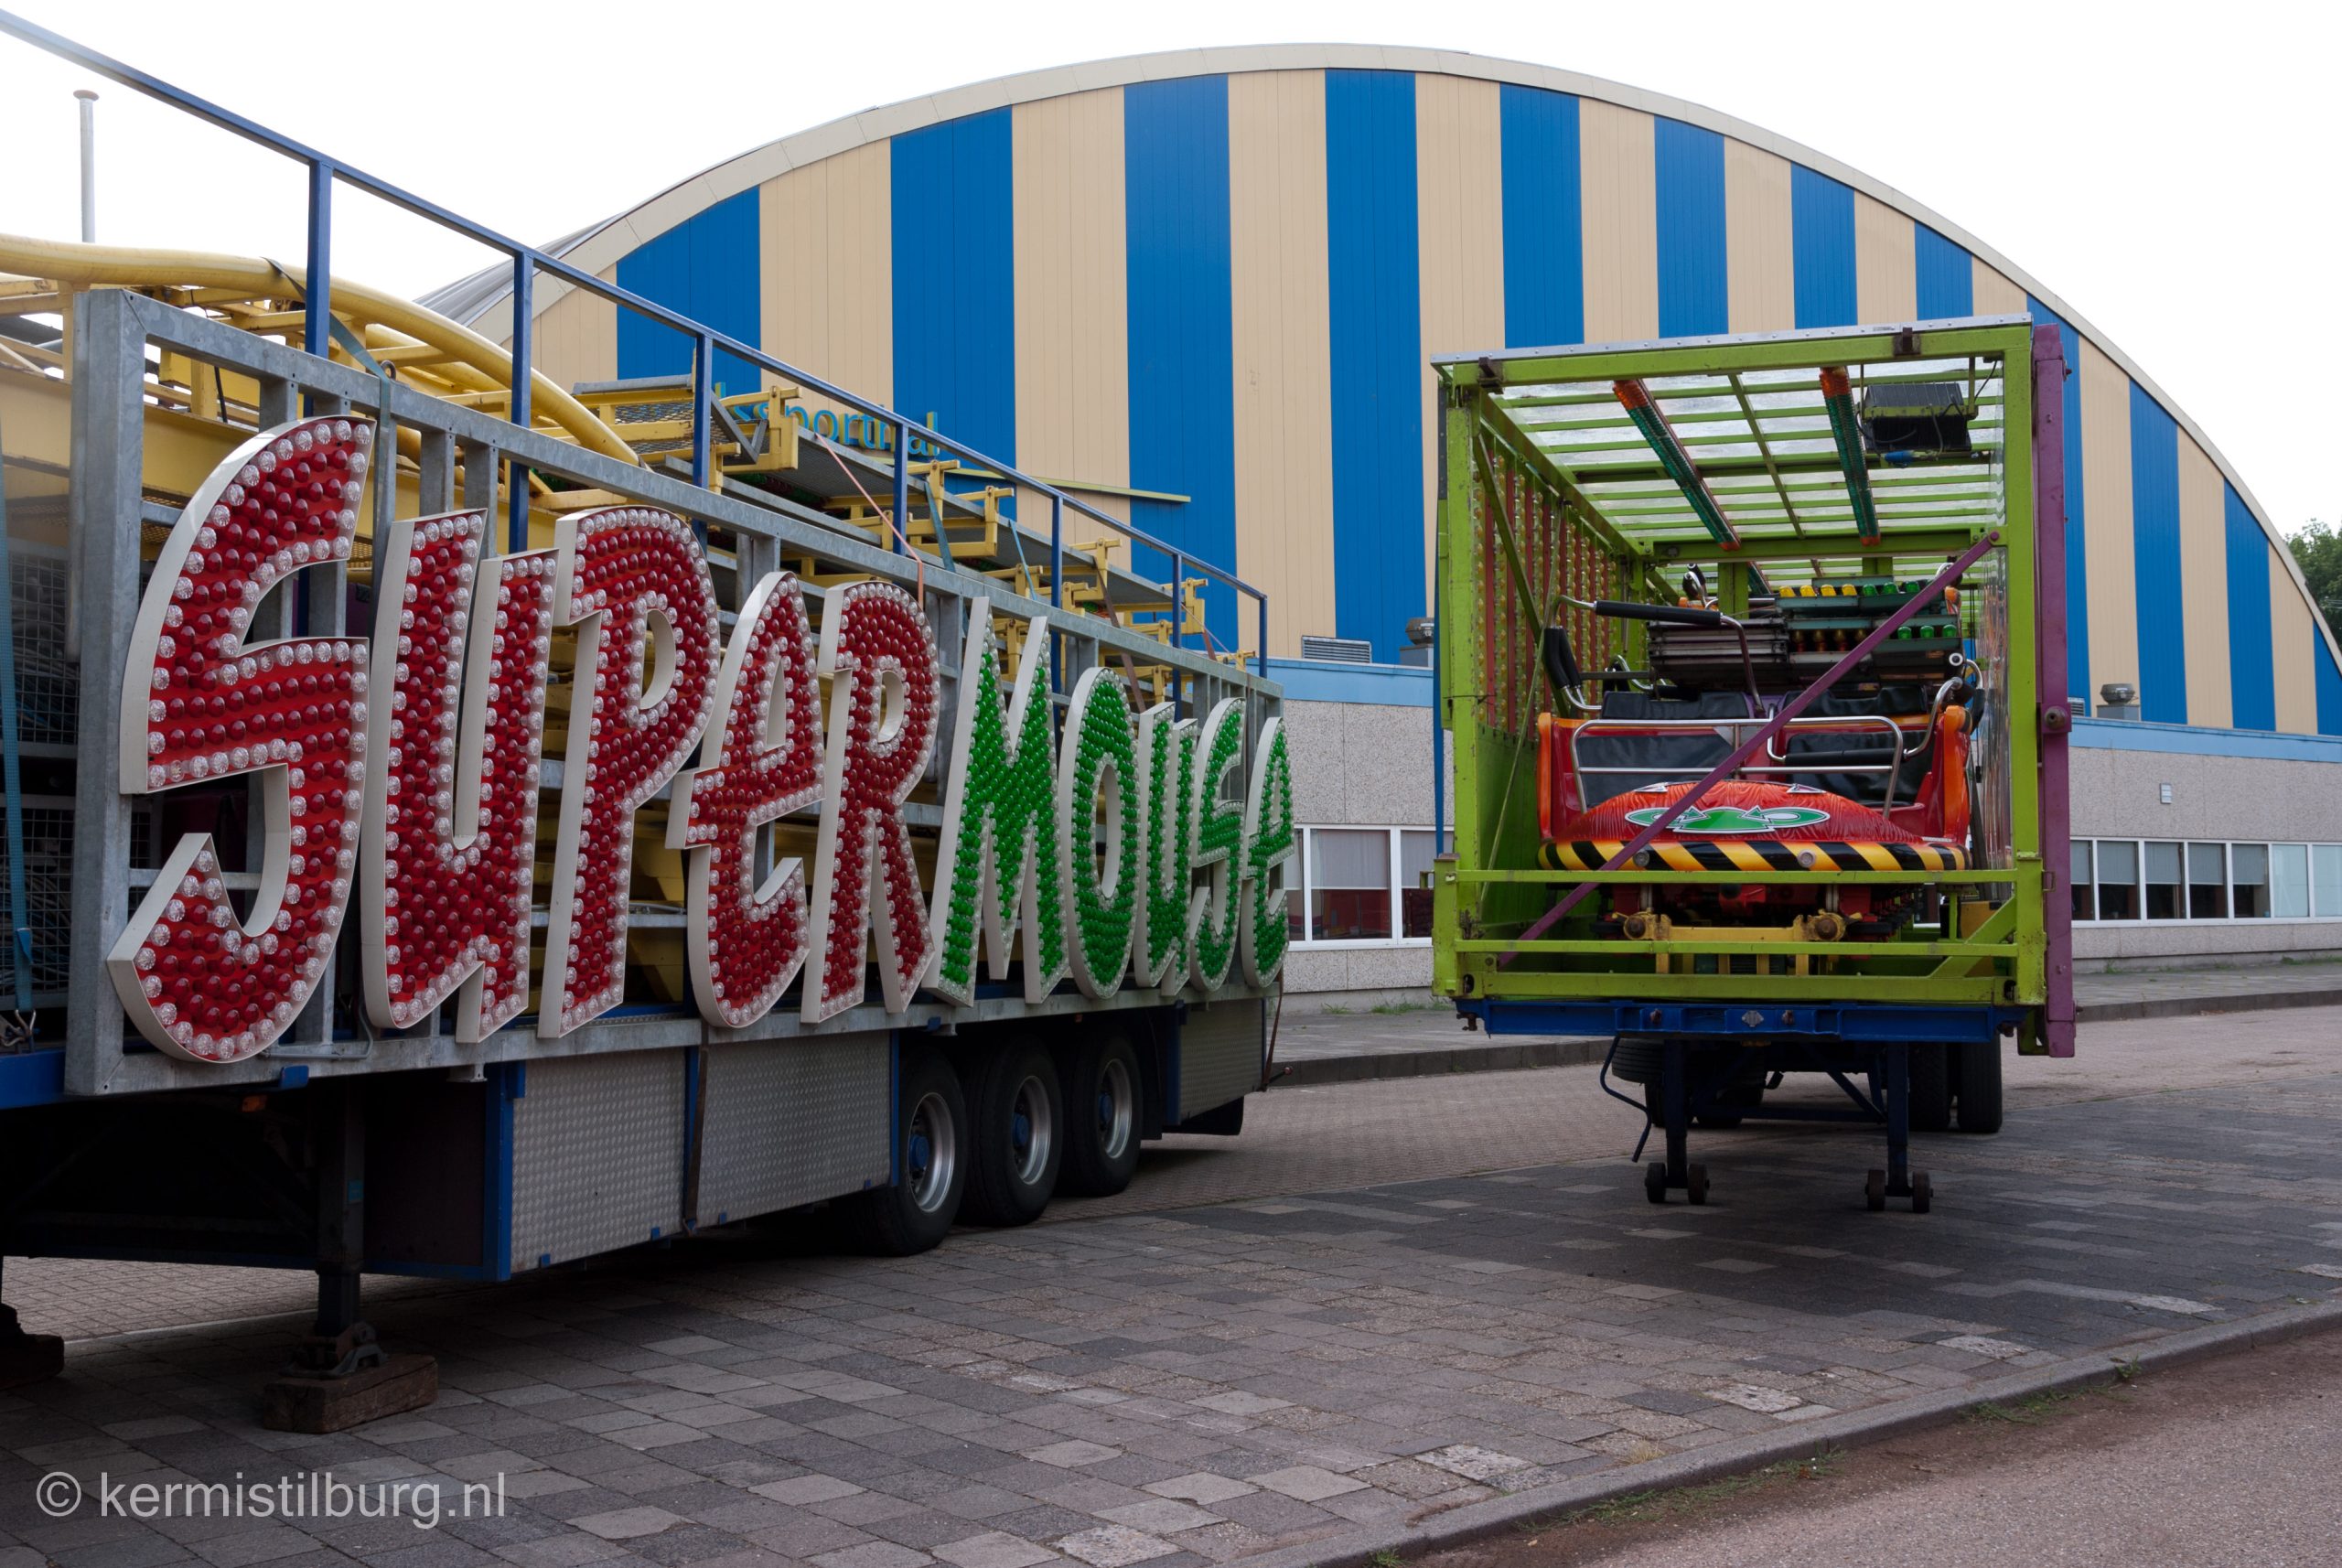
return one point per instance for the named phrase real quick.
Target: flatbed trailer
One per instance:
(479, 844)
(1752, 653)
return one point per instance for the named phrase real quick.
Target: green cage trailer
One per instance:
(1752, 654)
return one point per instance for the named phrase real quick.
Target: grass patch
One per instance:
(1389, 1009)
(1639, 1508)
(2037, 1408)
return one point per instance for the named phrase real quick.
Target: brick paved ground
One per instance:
(1183, 1387)
(1295, 1140)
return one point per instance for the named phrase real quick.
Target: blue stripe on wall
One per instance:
(1694, 297)
(1544, 254)
(2155, 560)
(1374, 304)
(2329, 685)
(709, 267)
(1821, 245)
(2077, 679)
(1946, 276)
(955, 280)
(1182, 354)
(2252, 675)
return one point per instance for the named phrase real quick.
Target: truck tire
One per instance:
(1979, 1086)
(1105, 1110)
(1019, 1127)
(1931, 1087)
(917, 1212)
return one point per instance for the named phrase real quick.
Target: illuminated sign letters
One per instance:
(1114, 848)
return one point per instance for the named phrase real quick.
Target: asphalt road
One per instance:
(2235, 1461)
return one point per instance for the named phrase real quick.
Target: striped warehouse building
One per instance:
(1205, 287)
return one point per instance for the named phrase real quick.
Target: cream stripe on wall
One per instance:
(2289, 635)
(1282, 414)
(827, 290)
(1760, 257)
(1459, 206)
(1618, 184)
(2204, 585)
(1072, 336)
(2106, 478)
(577, 337)
(1887, 277)
(1995, 294)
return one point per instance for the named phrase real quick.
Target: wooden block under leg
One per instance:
(318, 1405)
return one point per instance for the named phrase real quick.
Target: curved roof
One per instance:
(482, 299)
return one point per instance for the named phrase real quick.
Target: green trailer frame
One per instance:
(1549, 482)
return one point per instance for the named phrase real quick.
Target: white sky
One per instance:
(2169, 171)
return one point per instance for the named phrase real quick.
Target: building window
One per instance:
(1414, 881)
(2127, 880)
(1362, 887)
(1349, 885)
(2289, 881)
(2118, 879)
(2207, 882)
(2165, 900)
(2249, 881)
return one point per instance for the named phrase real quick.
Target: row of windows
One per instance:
(2119, 880)
(1364, 885)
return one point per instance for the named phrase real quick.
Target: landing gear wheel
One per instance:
(917, 1211)
(1695, 1183)
(1923, 1192)
(1101, 1077)
(1979, 1085)
(1932, 1087)
(1875, 1191)
(1020, 1119)
(1655, 1181)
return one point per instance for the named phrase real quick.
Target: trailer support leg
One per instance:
(27, 1357)
(1676, 1171)
(340, 1375)
(1898, 1180)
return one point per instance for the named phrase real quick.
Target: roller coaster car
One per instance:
(1877, 781)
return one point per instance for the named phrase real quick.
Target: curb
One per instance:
(1511, 1056)
(1518, 1056)
(1739, 1456)
(2182, 1007)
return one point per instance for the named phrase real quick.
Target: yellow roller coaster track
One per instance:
(423, 348)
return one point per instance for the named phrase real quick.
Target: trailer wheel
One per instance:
(1655, 1181)
(1105, 1110)
(1931, 1087)
(1019, 1138)
(1980, 1087)
(917, 1212)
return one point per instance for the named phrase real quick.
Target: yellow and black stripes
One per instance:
(1756, 855)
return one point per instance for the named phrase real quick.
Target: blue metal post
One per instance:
(702, 402)
(1178, 599)
(524, 350)
(20, 935)
(318, 307)
(1056, 551)
(902, 541)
